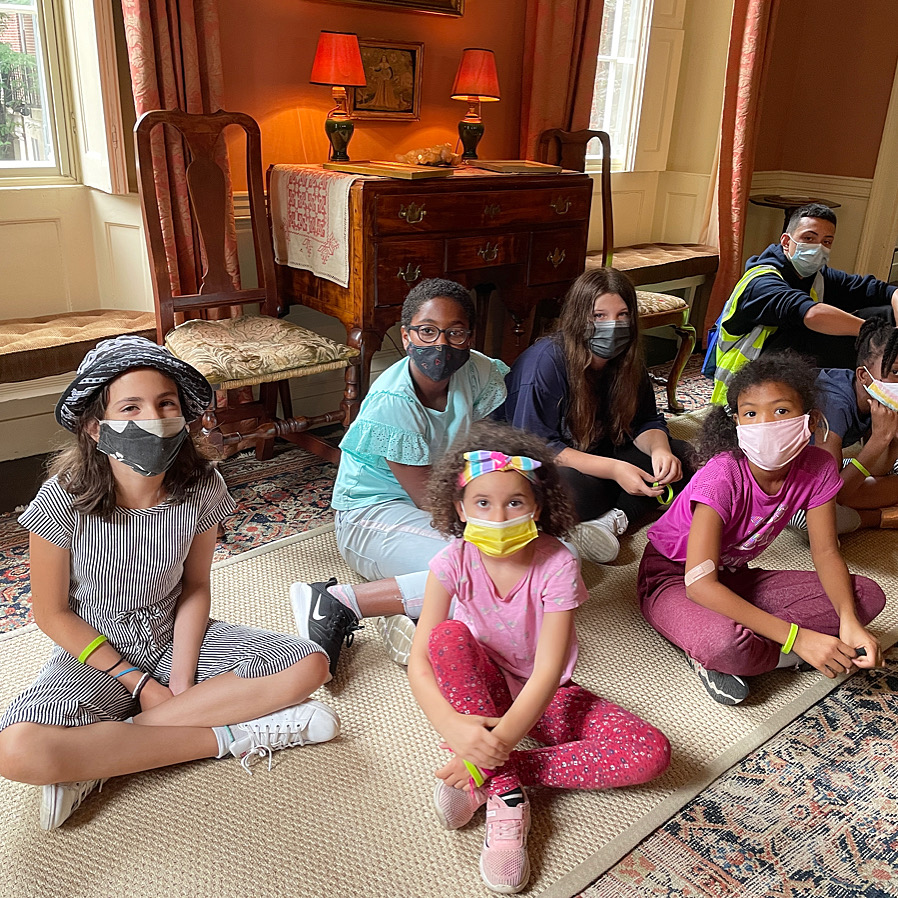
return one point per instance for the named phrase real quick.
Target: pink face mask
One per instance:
(773, 445)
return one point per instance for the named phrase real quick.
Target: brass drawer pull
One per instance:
(492, 210)
(488, 253)
(413, 213)
(561, 206)
(556, 258)
(408, 275)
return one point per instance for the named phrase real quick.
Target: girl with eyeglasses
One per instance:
(412, 413)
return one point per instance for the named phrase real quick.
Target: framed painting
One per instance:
(393, 70)
(444, 7)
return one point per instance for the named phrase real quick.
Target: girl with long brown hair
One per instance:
(586, 391)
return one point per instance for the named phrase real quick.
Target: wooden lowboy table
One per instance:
(524, 235)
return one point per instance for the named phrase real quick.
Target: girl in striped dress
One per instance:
(122, 536)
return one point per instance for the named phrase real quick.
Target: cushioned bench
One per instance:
(50, 345)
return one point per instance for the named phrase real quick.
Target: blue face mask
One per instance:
(809, 258)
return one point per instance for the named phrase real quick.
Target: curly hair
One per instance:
(877, 339)
(431, 288)
(557, 516)
(85, 473)
(787, 367)
(615, 387)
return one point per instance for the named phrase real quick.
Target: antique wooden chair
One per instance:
(248, 349)
(671, 265)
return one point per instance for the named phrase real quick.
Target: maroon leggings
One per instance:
(590, 742)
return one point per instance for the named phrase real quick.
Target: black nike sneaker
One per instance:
(323, 619)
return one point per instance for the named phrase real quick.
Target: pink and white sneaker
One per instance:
(504, 864)
(456, 807)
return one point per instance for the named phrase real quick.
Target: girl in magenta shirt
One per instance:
(495, 649)
(695, 586)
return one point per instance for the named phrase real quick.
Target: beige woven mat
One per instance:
(353, 817)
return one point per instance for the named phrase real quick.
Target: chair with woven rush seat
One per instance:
(672, 265)
(244, 350)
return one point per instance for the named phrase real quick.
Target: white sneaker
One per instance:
(60, 800)
(397, 632)
(597, 540)
(303, 724)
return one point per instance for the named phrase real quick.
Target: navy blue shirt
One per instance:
(838, 402)
(784, 301)
(538, 388)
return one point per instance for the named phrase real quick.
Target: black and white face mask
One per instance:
(148, 447)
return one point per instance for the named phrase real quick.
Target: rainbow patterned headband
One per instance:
(483, 462)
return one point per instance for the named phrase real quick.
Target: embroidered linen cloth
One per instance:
(310, 220)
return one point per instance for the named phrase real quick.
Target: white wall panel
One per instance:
(35, 281)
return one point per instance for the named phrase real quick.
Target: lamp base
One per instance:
(339, 133)
(470, 134)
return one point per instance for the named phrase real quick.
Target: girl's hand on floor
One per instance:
(153, 693)
(636, 481)
(828, 654)
(469, 737)
(454, 774)
(852, 633)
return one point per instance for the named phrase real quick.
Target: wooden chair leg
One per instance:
(351, 402)
(268, 396)
(686, 338)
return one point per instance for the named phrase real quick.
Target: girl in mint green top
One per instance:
(409, 418)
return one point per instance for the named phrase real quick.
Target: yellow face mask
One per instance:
(883, 391)
(500, 539)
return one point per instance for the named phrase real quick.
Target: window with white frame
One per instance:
(620, 77)
(32, 143)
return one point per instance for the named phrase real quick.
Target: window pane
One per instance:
(25, 133)
(622, 53)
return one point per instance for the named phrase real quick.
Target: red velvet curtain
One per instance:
(556, 95)
(175, 59)
(748, 62)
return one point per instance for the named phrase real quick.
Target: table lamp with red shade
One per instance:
(476, 81)
(338, 62)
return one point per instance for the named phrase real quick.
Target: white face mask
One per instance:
(809, 258)
(882, 391)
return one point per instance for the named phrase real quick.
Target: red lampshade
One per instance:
(338, 60)
(476, 76)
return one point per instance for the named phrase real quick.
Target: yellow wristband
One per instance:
(90, 648)
(860, 467)
(475, 772)
(790, 639)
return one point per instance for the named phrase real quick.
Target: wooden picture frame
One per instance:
(442, 7)
(394, 72)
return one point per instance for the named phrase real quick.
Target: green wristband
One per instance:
(475, 772)
(90, 648)
(790, 639)
(860, 467)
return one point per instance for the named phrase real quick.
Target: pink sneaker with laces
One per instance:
(504, 864)
(456, 807)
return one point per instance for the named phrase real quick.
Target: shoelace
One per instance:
(505, 830)
(349, 636)
(276, 738)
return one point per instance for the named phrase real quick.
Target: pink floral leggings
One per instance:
(589, 742)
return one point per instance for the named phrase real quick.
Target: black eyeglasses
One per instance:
(429, 333)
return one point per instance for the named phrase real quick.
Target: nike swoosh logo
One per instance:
(316, 609)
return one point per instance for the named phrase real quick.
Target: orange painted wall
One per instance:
(828, 89)
(267, 52)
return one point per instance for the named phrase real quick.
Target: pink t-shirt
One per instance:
(508, 626)
(751, 518)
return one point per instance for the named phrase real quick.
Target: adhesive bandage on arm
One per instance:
(699, 571)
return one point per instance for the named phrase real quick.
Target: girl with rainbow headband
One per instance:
(495, 649)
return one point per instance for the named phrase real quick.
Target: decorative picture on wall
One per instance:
(444, 7)
(393, 70)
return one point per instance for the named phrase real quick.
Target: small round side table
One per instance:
(789, 204)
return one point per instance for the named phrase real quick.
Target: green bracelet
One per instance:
(475, 773)
(860, 467)
(90, 648)
(790, 639)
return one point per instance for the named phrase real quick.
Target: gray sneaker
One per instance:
(728, 689)
(60, 800)
(397, 631)
(597, 540)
